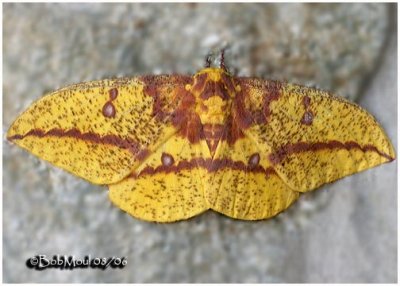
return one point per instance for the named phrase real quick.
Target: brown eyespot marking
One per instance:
(109, 108)
(216, 128)
(113, 93)
(254, 160)
(167, 159)
(308, 116)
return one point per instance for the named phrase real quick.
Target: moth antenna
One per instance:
(222, 60)
(208, 60)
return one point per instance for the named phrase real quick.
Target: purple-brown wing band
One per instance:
(205, 163)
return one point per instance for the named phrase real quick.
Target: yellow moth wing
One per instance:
(168, 186)
(98, 130)
(312, 137)
(243, 185)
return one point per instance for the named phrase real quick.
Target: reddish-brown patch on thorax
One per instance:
(214, 82)
(213, 88)
(199, 83)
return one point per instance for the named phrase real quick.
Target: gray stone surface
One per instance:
(345, 232)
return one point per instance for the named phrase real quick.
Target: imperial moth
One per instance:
(172, 146)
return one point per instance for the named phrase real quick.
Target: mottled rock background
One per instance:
(344, 232)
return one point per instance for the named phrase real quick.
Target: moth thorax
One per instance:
(213, 110)
(214, 90)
